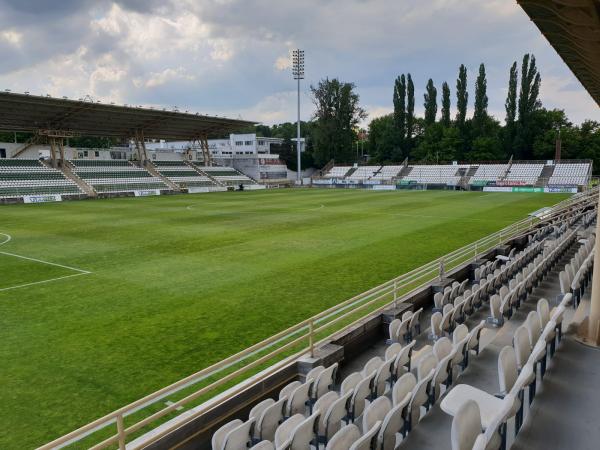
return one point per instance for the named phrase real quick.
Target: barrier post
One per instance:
(395, 293)
(311, 340)
(121, 431)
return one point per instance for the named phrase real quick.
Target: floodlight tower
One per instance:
(298, 72)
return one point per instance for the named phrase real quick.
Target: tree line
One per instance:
(529, 130)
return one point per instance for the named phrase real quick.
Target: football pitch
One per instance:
(103, 302)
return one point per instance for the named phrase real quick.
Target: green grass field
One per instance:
(179, 282)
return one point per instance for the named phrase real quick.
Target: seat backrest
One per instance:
(344, 438)
(407, 315)
(458, 300)
(334, 415)
(532, 322)
(446, 319)
(405, 384)
(361, 392)
(372, 365)
(495, 306)
(447, 308)
(288, 389)
(503, 292)
(441, 348)
(466, 426)
(393, 350)
(238, 436)
(366, 440)
(303, 434)
(298, 399)
(393, 328)
(437, 300)
(459, 333)
(376, 412)
(474, 335)
(403, 358)
(218, 437)
(270, 419)
(350, 382)
(392, 424)
(263, 445)
(323, 404)
(543, 309)
(436, 322)
(414, 320)
(522, 345)
(507, 369)
(258, 409)
(325, 380)
(426, 364)
(314, 373)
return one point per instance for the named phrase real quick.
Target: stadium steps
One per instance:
(350, 172)
(405, 171)
(205, 174)
(547, 172)
(466, 178)
(152, 169)
(67, 171)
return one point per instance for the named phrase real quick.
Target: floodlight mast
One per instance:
(298, 72)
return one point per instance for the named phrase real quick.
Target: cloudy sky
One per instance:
(231, 57)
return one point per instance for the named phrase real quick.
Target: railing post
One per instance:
(311, 340)
(121, 431)
(395, 293)
(475, 259)
(442, 269)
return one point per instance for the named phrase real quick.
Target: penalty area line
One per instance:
(44, 281)
(81, 271)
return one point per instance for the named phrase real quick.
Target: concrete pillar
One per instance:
(594, 317)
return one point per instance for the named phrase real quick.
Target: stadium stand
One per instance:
(570, 174)
(363, 172)
(382, 399)
(387, 173)
(21, 177)
(115, 176)
(183, 175)
(227, 176)
(427, 174)
(488, 173)
(524, 173)
(338, 172)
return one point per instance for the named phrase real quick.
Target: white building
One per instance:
(247, 153)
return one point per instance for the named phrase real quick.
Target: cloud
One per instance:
(231, 57)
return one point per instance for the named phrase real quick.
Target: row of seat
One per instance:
(30, 177)
(578, 271)
(517, 366)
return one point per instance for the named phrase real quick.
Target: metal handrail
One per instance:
(304, 331)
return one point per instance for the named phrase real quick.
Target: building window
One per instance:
(85, 153)
(249, 142)
(261, 142)
(96, 154)
(239, 142)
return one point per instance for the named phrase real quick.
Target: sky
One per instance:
(232, 57)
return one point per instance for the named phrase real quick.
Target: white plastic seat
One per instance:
(218, 437)
(392, 423)
(405, 385)
(323, 404)
(350, 382)
(360, 394)
(365, 442)
(298, 434)
(239, 436)
(298, 399)
(263, 445)
(344, 438)
(259, 408)
(393, 350)
(372, 365)
(507, 369)
(331, 420)
(383, 375)
(420, 398)
(403, 360)
(376, 412)
(436, 325)
(324, 381)
(269, 420)
(288, 389)
(475, 337)
(466, 426)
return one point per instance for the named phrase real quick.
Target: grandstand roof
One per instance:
(573, 29)
(31, 113)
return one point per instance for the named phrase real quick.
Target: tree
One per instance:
(382, 139)
(528, 103)
(430, 102)
(481, 99)
(445, 104)
(462, 96)
(400, 109)
(510, 105)
(410, 108)
(337, 115)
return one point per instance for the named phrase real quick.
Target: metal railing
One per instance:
(289, 345)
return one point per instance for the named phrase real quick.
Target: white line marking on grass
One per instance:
(8, 238)
(79, 271)
(46, 262)
(44, 281)
(316, 209)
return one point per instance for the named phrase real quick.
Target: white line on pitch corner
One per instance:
(46, 262)
(8, 238)
(44, 281)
